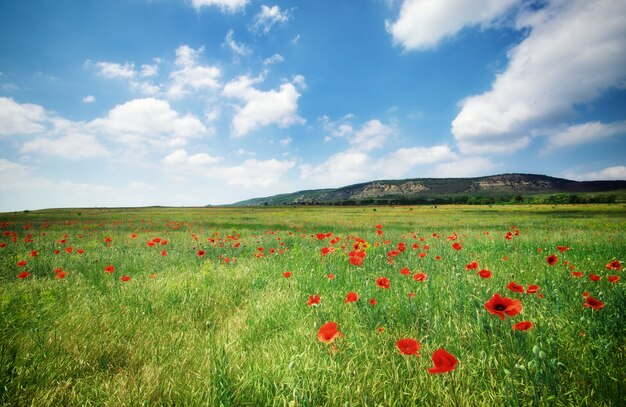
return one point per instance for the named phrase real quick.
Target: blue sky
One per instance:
(191, 102)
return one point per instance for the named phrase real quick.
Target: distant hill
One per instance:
(490, 189)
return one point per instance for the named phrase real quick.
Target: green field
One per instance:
(210, 318)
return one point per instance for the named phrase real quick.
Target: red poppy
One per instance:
(201, 253)
(380, 329)
(456, 246)
(577, 274)
(331, 276)
(373, 301)
(408, 346)
(419, 276)
(287, 274)
(516, 288)
(107, 240)
(594, 277)
(109, 269)
(443, 362)
(328, 332)
(405, 271)
(613, 279)
(552, 259)
(125, 278)
(383, 282)
(484, 273)
(21, 263)
(356, 261)
(437, 257)
(33, 253)
(614, 265)
(163, 253)
(68, 250)
(532, 289)
(326, 250)
(562, 249)
(23, 274)
(472, 266)
(60, 275)
(594, 303)
(351, 297)
(320, 236)
(523, 326)
(500, 306)
(313, 299)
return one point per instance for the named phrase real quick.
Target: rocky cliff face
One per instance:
(378, 189)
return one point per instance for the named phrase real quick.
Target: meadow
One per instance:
(314, 306)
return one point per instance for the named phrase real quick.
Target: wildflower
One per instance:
(287, 274)
(419, 276)
(484, 273)
(109, 269)
(125, 278)
(405, 271)
(594, 303)
(472, 266)
(383, 282)
(500, 306)
(456, 246)
(201, 253)
(408, 346)
(443, 362)
(328, 332)
(351, 297)
(516, 288)
(373, 301)
(532, 289)
(613, 279)
(552, 259)
(313, 300)
(523, 326)
(614, 265)
(594, 277)
(21, 263)
(60, 275)
(23, 275)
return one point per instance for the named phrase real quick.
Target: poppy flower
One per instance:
(484, 273)
(23, 274)
(163, 253)
(313, 299)
(500, 306)
(356, 261)
(331, 276)
(405, 271)
(380, 329)
(472, 266)
(21, 263)
(408, 346)
(552, 259)
(562, 249)
(109, 269)
(419, 276)
(443, 362)
(456, 246)
(328, 332)
(107, 240)
(577, 274)
(287, 274)
(125, 278)
(437, 257)
(373, 301)
(523, 326)
(532, 289)
(33, 253)
(614, 265)
(594, 277)
(613, 279)
(351, 297)
(516, 288)
(60, 275)
(383, 282)
(594, 303)
(201, 253)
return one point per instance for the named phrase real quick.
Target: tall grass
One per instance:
(228, 328)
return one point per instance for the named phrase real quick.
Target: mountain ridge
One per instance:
(438, 190)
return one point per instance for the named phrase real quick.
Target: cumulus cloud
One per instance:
(89, 99)
(262, 108)
(236, 47)
(268, 17)
(400, 162)
(73, 146)
(423, 24)
(181, 158)
(607, 174)
(229, 6)
(371, 136)
(191, 75)
(111, 70)
(585, 133)
(254, 173)
(16, 118)
(150, 121)
(12, 172)
(464, 167)
(274, 59)
(574, 52)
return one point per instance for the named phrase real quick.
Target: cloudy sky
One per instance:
(191, 102)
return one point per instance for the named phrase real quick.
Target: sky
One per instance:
(196, 102)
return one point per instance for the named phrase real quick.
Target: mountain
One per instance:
(490, 189)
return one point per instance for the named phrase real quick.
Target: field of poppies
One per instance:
(449, 305)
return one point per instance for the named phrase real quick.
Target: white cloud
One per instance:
(12, 173)
(236, 47)
(254, 173)
(73, 146)
(149, 70)
(262, 108)
(400, 162)
(181, 158)
(111, 70)
(230, 6)
(286, 141)
(89, 99)
(607, 174)
(371, 136)
(274, 59)
(268, 17)
(16, 118)
(150, 121)
(422, 24)
(585, 133)
(465, 167)
(191, 76)
(575, 51)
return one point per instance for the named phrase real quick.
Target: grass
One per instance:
(228, 328)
